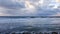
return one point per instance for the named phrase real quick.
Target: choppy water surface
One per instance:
(30, 24)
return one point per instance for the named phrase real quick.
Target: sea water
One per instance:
(29, 24)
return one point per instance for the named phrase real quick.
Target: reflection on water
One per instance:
(31, 21)
(29, 24)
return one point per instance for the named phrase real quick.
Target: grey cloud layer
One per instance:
(11, 4)
(18, 8)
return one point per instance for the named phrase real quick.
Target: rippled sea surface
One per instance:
(29, 24)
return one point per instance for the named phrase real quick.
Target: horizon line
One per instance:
(30, 16)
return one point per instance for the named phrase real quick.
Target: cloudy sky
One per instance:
(29, 7)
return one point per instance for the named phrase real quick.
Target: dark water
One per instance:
(29, 24)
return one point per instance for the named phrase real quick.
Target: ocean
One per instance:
(29, 24)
